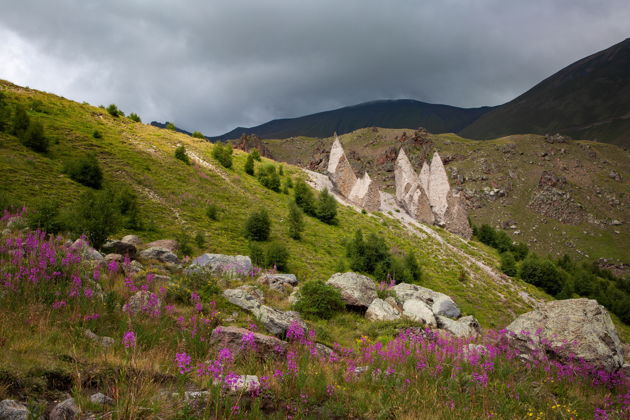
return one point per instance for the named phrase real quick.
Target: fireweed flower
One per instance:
(112, 266)
(183, 361)
(129, 339)
(91, 317)
(59, 304)
(248, 340)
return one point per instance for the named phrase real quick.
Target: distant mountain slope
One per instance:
(588, 99)
(400, 113)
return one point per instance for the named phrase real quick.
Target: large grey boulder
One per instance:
(65, 410)
(131, 239)
(160, 254)
(241, 383)
(294, 296)
(464, 327)
(417, 310)
(225, 264)
(246, 297)
(86, 251)
(276, 321)
(101, 399)
(120, 247)
(440, 303)
(169, 244)
(261, 344)
(13, 410)
(278, 282)
(380, 310)
(356, 289)
(571, 327)
(143, 301)
(100, 340)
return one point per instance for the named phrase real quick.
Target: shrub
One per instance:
(129, 209)
(135, 117)
(508, 264)
(319, 300)
(365, 256)
(258, 226)
(520, 250)
(296, 221)
(200, 240)
(414, 268)
(85, 170)
(21, 121)
(34, 138)
(277, 255)
(257, 254)
(44, 215)
(269, 178)
(288, 183)
(5, 112)
(170, 126)
(180, 153)
(327, 207)
(249, 165)
(183, 242)
(502, 241)
(223, 154)
(198, 135)
(543, 274)
(114, 111)
(280, 170)
(486, 234)
(97, 134)
(304, 197)
(255, 154)
(212, 211)
(96, 215)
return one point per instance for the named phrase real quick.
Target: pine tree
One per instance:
(255, 154)
(296, 221)
(258, 226)
(21, 121)
(249, 165)
(304, 197)
(508, 264)
(327, 207)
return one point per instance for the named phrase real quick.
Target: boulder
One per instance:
(279, 282)
(100, 340)
(86, 251)
(242, 383)
(120, 247)
(417, 310)
(294, 296)
(356, 289)
(113, 257)
(339, 169)
(13, 410)
(102, 399)
(143, 301)
(160, 254)
(563, 328)
(225, 264)
(131, 239)
(232, 338)
(380, 310)
(246, 297)
(440, 303)
(133, 268)
(456, 216)
(277, 322)
(65, 410)
(169, 244)
(464, 327)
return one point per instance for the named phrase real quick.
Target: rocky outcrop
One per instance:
(131, 239)
(224, 264)
(169, 244)
(365, 194)
(380, 310)
(13, 410)
(356, 290)
(232, 338)
(65, 410)
(86, 251)
(246, 297)
(464, 327)
(417, 310)
(565, 328)
(160, 254)
(428, 197)
(439, 303)
(120, 247)
(145, 302)
(278, 282)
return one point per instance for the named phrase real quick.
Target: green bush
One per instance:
(327, 207)
(543, 274)
(318, 300)
(304, 198)
(198, 135)
(258, 226)
(268, 177)
(97, 134)
(85, 170)
(114, 111)
(183, 241)
(255, 154)
(249, 165)
(180, 153)
(5, 112)
(296, 221)
(200, 240)
(280, 170)
(257, 254)
(21, 121)
(45, 215)
(135, 117)
(366, 255)
(508, 264)
(96, 215)
(277, 255)
(34, 138)
(223, 154)
(212, 211)
(170, 126)
(129, 209)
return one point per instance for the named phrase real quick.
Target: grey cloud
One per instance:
(214, 65)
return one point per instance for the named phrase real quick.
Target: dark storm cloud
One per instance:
(213, 65)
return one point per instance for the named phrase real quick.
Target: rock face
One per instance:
(120, 247)
(226, 264)
(160, 254)
(439, 303)
(232, 338)
(65, 410)
(13, 410)
(380, 310)
(356, 289)
(464, 327)
(428, 197)
(561, 328)
(365, 194)
(417, 310)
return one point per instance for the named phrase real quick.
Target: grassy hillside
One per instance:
(500, 179)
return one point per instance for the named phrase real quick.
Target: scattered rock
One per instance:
(143, 301)
(102, 399)
(380, 310)
(276, 321)
(417, 310)
(464, 327)
(86, 250)
(13, 410)
(133, 268)
(279, 282)
(615, 175)
(232, 338)
(160, 254)
(440, 303)
(294, 296)
(65, 410)
(243, 383)
(131, 239)
(101, 340)
(120, 247)
(114, 257)
(563, 328)
(356, 289)
(219, 263)
(246, 297)
(169, 244)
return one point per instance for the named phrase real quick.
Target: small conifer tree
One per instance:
(258, 226)
(327, 207)
(296, 221)
(249, 165)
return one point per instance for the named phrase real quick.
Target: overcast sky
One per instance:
(213, 65)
